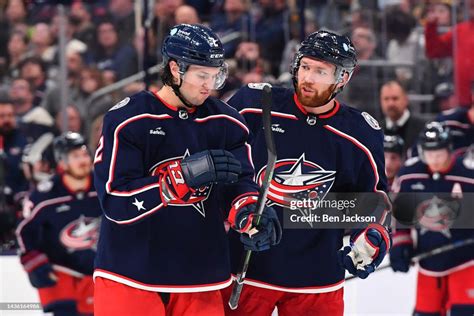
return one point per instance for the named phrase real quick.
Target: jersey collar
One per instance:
(326, 115)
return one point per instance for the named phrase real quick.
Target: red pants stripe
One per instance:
(113, 298)
(257, 301)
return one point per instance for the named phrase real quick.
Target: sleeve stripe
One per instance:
(460, 179)
(372, 163)
(135, 219)
(227, 117)
(274, 113)
(34, 212)
(108, 185)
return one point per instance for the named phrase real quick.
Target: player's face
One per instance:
(79, 163)
(198, 83)
(316, 82)
(437, 159)
(393, 162)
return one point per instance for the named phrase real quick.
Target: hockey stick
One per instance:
(262, 197)
(427, 254)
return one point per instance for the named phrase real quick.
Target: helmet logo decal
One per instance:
(346, 48)
(173, 31)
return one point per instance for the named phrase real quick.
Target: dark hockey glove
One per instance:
(40, 272)
(366, 251)
(267, 233)
(180, 179)
(402, 251)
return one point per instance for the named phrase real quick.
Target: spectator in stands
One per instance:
(164, 19)
(74, 121)
(52, 101)
(110, 54)
(186, 14)
(16, 15)
(13, 144)
(33, 121)
(398, 120)
(123, 17)
(444, 98)
(17, 49)
(363, 92)
(459, 44)
(80, 23)
(441, 69)
(233, 25)
(34, 70)
(270, 31)
(42, 42)
(405, 45)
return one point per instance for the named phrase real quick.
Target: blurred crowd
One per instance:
(415, 60)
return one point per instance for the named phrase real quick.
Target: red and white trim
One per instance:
(402, 238)
(223, 116)
(34, 212)
(307, 290)
(161, 288)
(397, 183)
(446, 272)
(372, 163)
(108, 185)
(274, 113)
(137, 218)
(459, 179)
(457, 124)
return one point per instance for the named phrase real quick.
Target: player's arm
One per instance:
(369, 245)
(34, 261)
(241, 197)
(127, 192)
(437, 46)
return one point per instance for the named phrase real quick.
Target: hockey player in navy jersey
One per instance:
(58, 237)
(167, 164)
(322, 146)
(445, 281)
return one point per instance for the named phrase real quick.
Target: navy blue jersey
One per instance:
(143, 243)
(461, 127)
(342, 150)
(416, 177)
(62, 224)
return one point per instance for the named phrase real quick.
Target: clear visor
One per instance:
(311, 74)
(211, 78)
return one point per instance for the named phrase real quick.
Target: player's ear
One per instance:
(344, 80)
(174, 68)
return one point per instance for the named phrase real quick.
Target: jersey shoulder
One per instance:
(457, 114)
(359, 125)
(47, 189)
(131, 106)
(413, 165)
(249, 97)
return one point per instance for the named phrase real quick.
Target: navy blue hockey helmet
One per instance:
(193, 45)
(329, 47)
(393, 144)
(66, 142)
(434, 136)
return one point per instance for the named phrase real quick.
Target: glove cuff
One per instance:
(243, 224)
(173, 187)
(33, 259)
(402, 238)
(383, 232)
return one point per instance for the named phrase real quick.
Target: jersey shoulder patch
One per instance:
(371, 121)
(411, 161)
(121, 104)
(44, 186)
